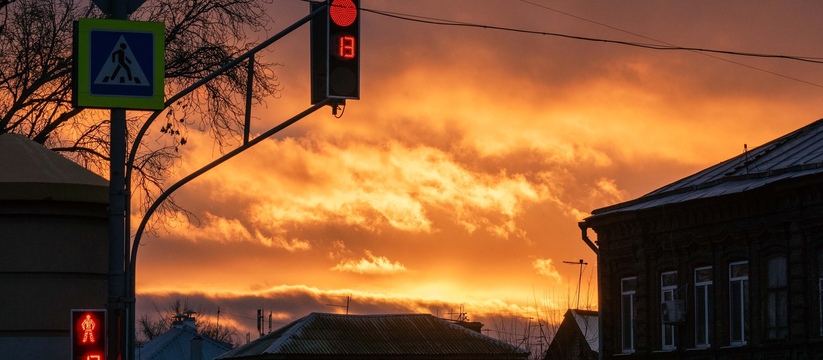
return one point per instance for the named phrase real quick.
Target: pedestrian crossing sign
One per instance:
(118, 64)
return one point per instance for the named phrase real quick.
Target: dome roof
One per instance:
(29, 171)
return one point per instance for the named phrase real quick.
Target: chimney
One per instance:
(471, 325)
(197, 348)
(183, 321)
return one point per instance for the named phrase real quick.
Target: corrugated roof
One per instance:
(175, 344)
(797, 154)
(320, 334)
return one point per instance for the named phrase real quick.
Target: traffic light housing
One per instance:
(335, 51)
(88, 334)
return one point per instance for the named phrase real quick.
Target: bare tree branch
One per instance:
(152, 327)
(201, 36)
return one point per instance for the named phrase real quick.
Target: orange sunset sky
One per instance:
(460, 175)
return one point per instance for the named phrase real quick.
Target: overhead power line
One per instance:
(666, 43)
(664, 46)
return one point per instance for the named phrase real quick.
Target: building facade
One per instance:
(724, 264)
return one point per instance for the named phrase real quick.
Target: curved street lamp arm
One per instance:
(208, 167)
(201, 82)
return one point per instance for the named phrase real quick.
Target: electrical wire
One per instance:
(666, 43)
(432, 21)
(661, 45)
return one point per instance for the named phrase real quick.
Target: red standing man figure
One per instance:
(88, 327)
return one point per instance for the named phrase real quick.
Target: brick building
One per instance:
(724, 264)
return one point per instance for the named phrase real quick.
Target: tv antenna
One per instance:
(462, 316)
(348, 300)
(579, 278)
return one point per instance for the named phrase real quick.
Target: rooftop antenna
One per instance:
(348, 300)
(746, 153)
(461, 315)
(579, 278)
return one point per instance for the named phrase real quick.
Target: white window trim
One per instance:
(663, 290)
(742, 306)
(622, 320)
(707, 302)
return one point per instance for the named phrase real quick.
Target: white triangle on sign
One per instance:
(121, 67)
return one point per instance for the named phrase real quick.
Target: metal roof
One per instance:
(29, 171)
(795, 155)
(422, 335)
(589, 326)
(175, 344)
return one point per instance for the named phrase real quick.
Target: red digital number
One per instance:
(346, 46)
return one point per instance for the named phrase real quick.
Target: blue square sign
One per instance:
(119, 64)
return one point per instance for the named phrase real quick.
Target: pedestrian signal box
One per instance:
(88, 334)
(335, 50)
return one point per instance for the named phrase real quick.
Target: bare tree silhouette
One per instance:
(201, 36)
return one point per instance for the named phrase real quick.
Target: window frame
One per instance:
(820, 290)
(777, 300)
(742, 283)
(706, 302)
(667, 292)
(627, 324)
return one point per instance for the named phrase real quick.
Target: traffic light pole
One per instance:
(115, 320)
(131, 257)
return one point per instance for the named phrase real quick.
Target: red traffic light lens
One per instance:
(343, 12)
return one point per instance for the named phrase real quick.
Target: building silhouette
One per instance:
(371, 337)
(723, 264)
(577, 337)
(182, 342)
(53, 248)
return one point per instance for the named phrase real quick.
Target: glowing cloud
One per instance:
(607, 188)
(545, 267)
(373, 186)
(220, 229)
(372, 265)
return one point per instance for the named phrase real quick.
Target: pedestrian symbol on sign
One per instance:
(121, 67)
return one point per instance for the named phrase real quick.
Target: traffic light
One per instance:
(88, 334)
(335, 51)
